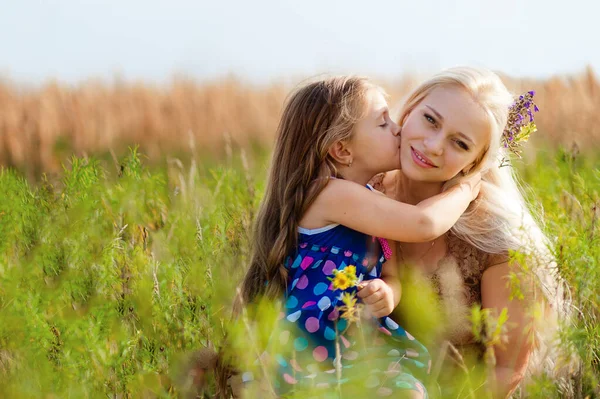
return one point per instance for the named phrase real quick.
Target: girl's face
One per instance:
(443, 135)
(375, 145)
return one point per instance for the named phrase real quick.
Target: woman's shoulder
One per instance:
(496, 259)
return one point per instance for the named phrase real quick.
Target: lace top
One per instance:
(457, 282)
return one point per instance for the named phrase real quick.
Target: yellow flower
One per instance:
(351, 272)
(350, 310)
(341, 281)
(344, 279)
(525, 132)
(348, 299)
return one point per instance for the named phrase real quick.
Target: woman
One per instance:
(452, 126)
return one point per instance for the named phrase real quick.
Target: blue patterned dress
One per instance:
(380, 356)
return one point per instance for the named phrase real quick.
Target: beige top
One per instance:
(457, 282)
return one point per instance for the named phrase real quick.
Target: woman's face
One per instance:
(445, 133)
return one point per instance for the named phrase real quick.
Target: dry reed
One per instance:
(40, 126)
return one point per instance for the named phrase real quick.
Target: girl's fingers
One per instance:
(367, 288)
(381, 311)
(373, 298)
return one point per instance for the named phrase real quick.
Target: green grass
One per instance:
(109, 280)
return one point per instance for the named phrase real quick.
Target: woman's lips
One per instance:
(421, 159)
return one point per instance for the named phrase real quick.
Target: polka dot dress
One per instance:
(377, 355)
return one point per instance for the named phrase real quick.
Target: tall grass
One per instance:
(113, 274)
(116, 267)
(105, 280)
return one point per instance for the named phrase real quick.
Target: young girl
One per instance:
(318, 214)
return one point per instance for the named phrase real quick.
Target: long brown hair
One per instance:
(315, 117)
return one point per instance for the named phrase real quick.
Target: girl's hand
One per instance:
(474, 184)
(378, 296)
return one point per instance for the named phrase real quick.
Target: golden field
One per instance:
(40, 126)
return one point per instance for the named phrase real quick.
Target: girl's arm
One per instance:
(354, 206)
(512, 356)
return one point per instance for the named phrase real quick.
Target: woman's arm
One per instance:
(352, 205)
(512, 356)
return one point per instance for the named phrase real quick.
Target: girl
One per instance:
(318, 214)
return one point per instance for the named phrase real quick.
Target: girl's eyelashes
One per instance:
(385, 122)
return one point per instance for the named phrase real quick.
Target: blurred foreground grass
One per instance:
(111, 274)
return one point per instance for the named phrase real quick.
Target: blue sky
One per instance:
(271, 39)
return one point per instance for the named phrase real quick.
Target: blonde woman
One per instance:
(452, 127)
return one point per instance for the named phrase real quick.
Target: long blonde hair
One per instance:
(500, 220)
(314, 118)
(492, 232)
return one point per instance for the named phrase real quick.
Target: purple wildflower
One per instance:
(522, 108)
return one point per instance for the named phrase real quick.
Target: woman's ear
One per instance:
(341, 153)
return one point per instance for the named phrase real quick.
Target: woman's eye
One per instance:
(462, 144)
(384, 124)
(430, 119)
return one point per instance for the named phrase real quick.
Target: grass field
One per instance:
(112, 273)
(116, 265)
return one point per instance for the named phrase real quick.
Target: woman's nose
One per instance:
(434, 144)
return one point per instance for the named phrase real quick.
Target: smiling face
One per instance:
(443, 135)
(375, 145)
